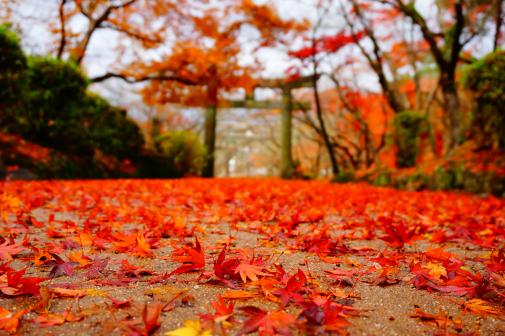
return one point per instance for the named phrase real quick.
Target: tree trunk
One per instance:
(155, 130)
(210, 123)
(210, 140)
(324, 133)
(287, 166)
(498, 24)
(451, 109)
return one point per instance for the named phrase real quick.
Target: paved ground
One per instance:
(316, 258)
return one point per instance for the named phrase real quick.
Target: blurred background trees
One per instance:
(405, 93)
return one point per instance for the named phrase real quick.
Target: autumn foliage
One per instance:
(67, 244)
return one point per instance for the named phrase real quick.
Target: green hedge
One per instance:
(13, 67)
(111, 130)
(485, 78)
(451, 177)
(408, 125)
(46, 101)
(184, 151)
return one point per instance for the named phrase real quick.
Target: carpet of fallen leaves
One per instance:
(241, 256)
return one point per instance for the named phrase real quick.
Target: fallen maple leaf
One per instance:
(192, 258)
(119, 304)
(49, 320)
(223, 311)
(294, 285)
(440, 320)
(62, 267)
(225, 269)
(266, 323)
(436, 270)
(238, 294)
(247, 270)
(497, 261)
(42, 257)
(96, 267)
(135, 244)
(9, 321)
(84, 239)
(67, 292)
(399, 234)
(143, 248)
(190, 328)
(344, 276)
(16, 284)
(133, 271)
(150, 316)
(7, 251)
(481, 307)
(79, 258)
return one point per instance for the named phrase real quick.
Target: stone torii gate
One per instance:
(287, 105)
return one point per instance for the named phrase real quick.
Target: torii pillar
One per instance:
(287, 165)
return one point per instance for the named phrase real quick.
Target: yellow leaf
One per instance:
(436, 270)
(191, 328)
(96, 292)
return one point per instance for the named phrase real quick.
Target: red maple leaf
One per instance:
(266, 323)
(224, 311)
(61, 266)
(192, 258)
(225, 269)
(8, 250)
(497, 261)
(331, 315)
(17, 285)
(397, 235)
(292, 290)
(150, 316)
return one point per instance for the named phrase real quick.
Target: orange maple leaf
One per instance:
(9, 321)
(247, 270)
(481, 307)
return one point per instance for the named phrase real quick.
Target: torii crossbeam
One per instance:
(286, 105)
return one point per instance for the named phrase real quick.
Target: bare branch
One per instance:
(63, 37)
(132, 80)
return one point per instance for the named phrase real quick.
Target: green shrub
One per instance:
(45, 100)
(443, 179)
(64, 116)
(382, 179)
(152, 164)
(413, 182)
(110, 130)
(64, 167)
(13, 66)
(56, 100)
(409, 125)
(184, 151)
(455, 177)
(485, 78)
(344, 176)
